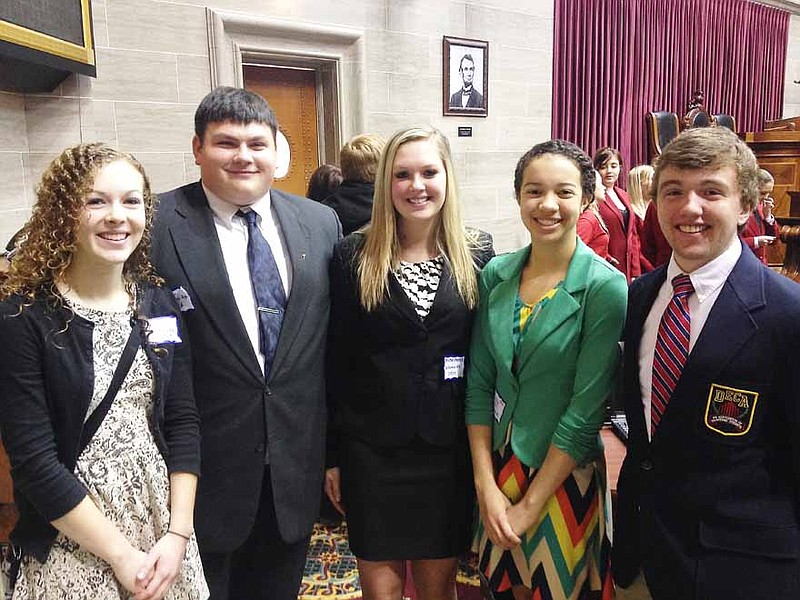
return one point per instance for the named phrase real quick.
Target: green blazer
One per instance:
(567, 362)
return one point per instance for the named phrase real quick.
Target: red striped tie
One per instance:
(672, 347)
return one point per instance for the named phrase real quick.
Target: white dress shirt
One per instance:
(233, 237)
(707, 282)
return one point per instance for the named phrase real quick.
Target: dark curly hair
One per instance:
(559, 148)
(47, 241)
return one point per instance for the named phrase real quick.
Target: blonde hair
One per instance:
(359, 158)
(49, 239)
(380, 253)
(639, 178)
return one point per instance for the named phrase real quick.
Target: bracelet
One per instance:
(180, 535)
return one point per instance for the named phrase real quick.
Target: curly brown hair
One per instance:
(47, 241)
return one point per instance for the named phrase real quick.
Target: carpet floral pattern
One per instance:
(331, 570)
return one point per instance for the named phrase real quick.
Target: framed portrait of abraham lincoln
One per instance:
(465, 77)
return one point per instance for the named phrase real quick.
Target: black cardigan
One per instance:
(46, 385)
(385, 376)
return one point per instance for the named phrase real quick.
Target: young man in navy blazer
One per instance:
(262, 426)
(709, 493)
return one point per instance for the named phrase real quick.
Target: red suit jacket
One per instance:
(623, 242)
(592, 233)
(655, 247)
(756, 226)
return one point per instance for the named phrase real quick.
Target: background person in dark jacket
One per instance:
(115, 518)
(323, 182)
(352, 200)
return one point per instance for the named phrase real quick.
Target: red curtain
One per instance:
(616, 60)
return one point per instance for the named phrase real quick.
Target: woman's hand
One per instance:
(333, 488)
(494, 506)
(127, 566)
(161, 567)
(522, 516)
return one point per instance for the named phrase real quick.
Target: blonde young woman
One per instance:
(110, 515)
(403, 295)
(639, 181)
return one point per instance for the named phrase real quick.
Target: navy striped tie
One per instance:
(267, 289)
(672, 348)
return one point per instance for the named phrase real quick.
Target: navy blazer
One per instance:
(46, 378)
(710, 508)
(241, 413)
(386, 380)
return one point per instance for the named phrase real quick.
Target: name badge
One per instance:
(163, 330)
(499, 407)
(729, 411)
(183, 299)
(453, 367)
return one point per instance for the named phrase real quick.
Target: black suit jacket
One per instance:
(239, 411)
(386, 368)
(475, 100)
(707, 509)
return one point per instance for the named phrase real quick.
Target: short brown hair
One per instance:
(359, 158)
(712, 148)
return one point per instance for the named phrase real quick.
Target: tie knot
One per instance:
(682, 285)
(250, 216)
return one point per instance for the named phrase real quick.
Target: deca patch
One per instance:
(730, 410)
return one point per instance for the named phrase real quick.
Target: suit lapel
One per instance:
(398, 301)
(730, 324)
(561, 307)
(613, 208)
(643, 294)
(298, 246)
(197, 246)
(501, 308)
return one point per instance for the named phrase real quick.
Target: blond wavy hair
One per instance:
(639, 179)
(47, 242)
(380, 253)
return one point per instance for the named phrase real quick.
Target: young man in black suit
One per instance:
(261, 398)
(709, 493)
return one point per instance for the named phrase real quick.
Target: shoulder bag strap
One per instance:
(125, 361)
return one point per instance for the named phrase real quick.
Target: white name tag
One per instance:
(499, 407)
(163, 330)
(453, 367)
(183, 299)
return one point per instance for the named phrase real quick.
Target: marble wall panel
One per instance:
(399, 53)
(13, 133)
(194, 78)
(157, 26)
(10, 222)
(98, 122)
(52, 123)
(12, 184)
(135, 76)
(143, 127)
(164, 169)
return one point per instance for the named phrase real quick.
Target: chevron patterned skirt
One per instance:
(565, 555)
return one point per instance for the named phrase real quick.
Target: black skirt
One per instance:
(409, 502)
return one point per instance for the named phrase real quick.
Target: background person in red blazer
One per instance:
(590, 227)
(655, 247)
(619, 217)
(761, 228)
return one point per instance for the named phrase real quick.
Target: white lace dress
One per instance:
(126, 477)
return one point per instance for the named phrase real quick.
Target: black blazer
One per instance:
(475, 99)
(386, 368)
(239, 411)
(46, 378)
(709, 510)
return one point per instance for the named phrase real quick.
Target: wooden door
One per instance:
(292, 94)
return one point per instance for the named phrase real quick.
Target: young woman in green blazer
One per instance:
(542, 360)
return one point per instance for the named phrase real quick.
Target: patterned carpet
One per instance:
(331, 569)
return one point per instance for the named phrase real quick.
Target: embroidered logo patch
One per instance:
(730, 411)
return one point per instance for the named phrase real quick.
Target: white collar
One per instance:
(711, 275)
(225, 210)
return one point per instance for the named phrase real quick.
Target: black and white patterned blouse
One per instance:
(420, 282)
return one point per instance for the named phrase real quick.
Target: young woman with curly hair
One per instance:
(108, 514)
